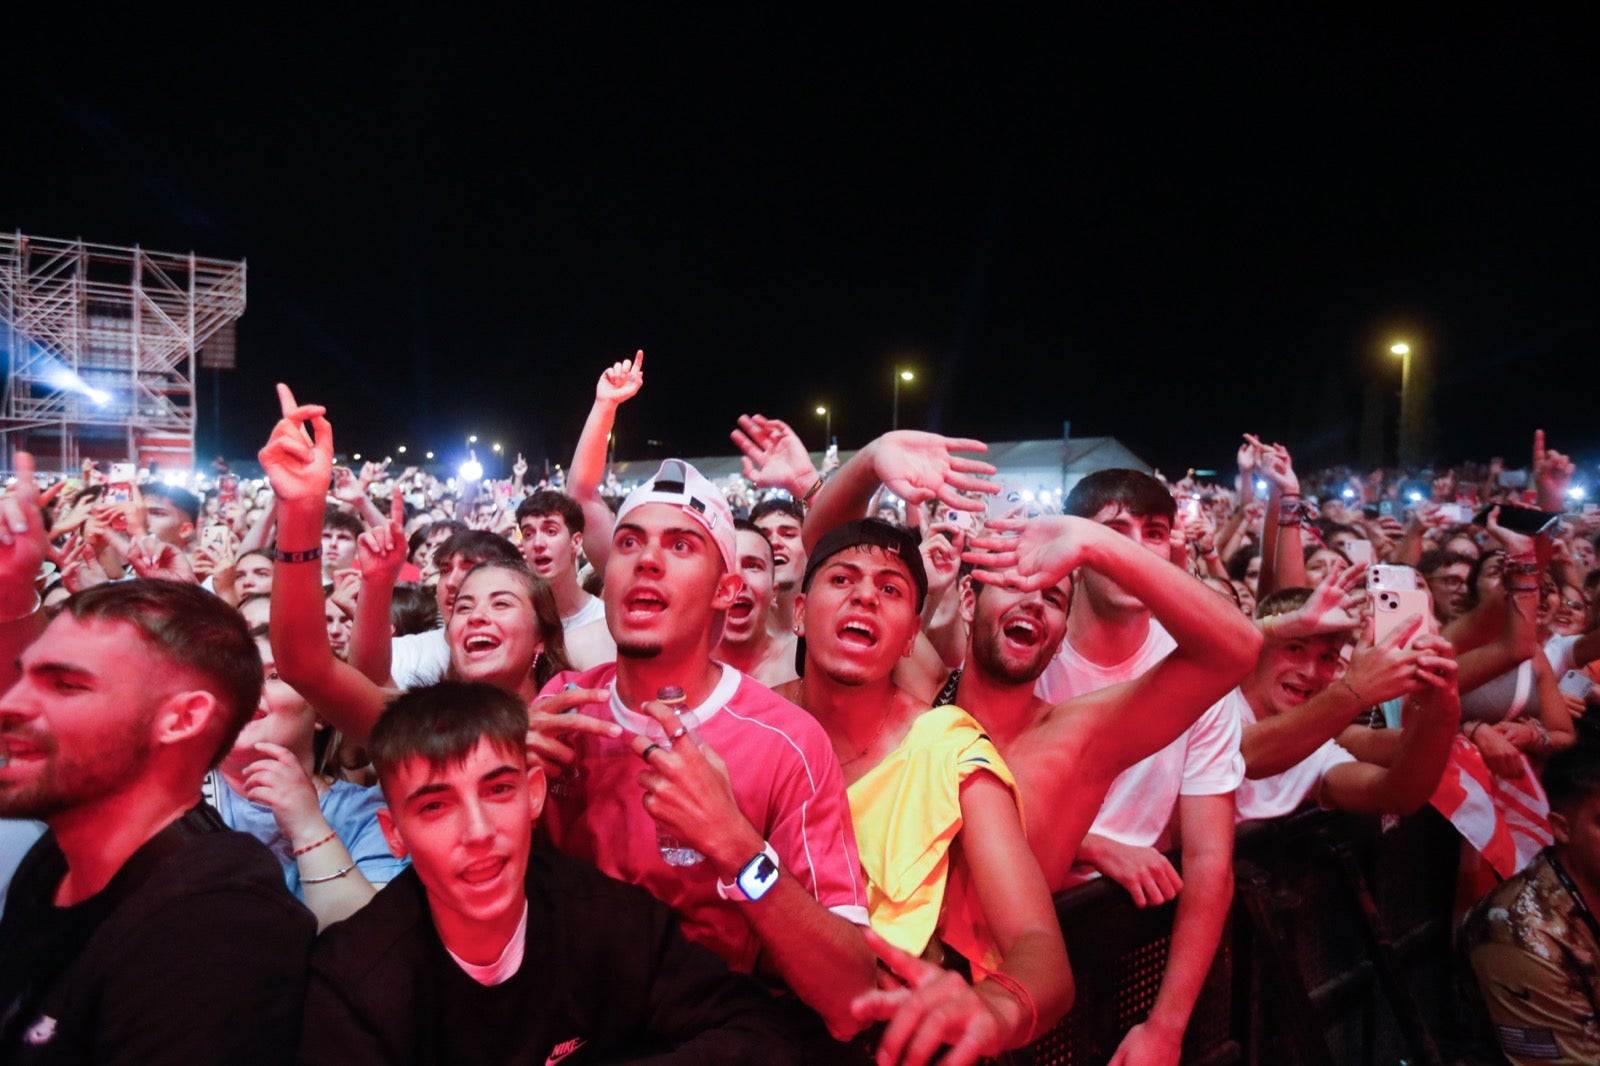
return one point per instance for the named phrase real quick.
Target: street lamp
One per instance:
(899, 376)
(827, 433)
(1403, 445)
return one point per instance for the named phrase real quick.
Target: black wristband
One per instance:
(310, 555)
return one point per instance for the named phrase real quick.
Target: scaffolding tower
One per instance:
(101, 347)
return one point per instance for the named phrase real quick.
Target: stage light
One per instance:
(1416, 497)
(430, 455)
(471, 470)
(1261, 485)
(1576, 492)
(1349, 494)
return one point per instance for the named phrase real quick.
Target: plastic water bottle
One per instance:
(675, 852)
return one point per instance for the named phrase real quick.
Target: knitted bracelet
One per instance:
(313, 847)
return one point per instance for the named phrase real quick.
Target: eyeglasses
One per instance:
(1450, 581)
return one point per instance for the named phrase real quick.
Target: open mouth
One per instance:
(14, 749)
(780, 558)
(479, 642)
(644, 602)
(857, 634)
(741, 609)
(1297, 693)
(1023, 630)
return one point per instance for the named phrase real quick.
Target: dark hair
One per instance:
(871, 533)
(778, 505)
(333, 518)
(747, 526)
(1438, 558)
(193, 630)
(413, 609)
(1140, 494)
(181, 498)
(1572, 775)
(1476, 572)
(546, 615)
(549, 502)
(420, 535)
(442, 723)
(1312, 547)
(265, 553)
(1239, 561)
(476, 546)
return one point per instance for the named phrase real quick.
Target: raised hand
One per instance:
(1272, 460)
(381, 550)
(774, 456)
(1046, 549)
(81, 569)
(519, 469)
(347, 488)
(23, 547)
(935, 1011)
(621, 381)
(1552, 473)
(277, 780)
(155, 558)
(1331, 608)
(941, 556)
(687, 789)
(918, 466)
(299, 466)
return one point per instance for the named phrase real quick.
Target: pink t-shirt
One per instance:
(786, 780)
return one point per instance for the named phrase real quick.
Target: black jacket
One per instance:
(606, 976)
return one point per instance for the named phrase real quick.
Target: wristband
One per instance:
(1345, 681)
(1470, 730)
(1544, 734)
(330, 877)
(313, 847)
(1015, 988)
(811, 493)
(310, 555)
(1289, 510)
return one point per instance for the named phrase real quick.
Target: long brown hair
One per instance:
(553, 659)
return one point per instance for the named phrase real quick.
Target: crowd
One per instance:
(363, 766)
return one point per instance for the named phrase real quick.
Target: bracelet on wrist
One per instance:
(1013, 987)
(310, 555)
(330, 877)
(1470, 730)
(1345, 681)
(38, 602)
(297, 852)
(811, 493)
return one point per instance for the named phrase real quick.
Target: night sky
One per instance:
(1165, 226)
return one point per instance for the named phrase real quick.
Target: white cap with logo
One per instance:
(681, 485)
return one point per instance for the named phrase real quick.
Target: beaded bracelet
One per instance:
(313, 847)
(330, 877)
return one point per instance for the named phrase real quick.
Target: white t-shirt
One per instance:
(1069, 674)
(1203, 761)
(1559, 650)
(1281, 794)
(419, 659)
(593, 611)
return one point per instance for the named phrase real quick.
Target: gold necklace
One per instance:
(871, 740)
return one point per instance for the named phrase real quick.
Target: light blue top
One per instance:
(351, 811)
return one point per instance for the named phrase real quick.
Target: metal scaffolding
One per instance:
(101, 344)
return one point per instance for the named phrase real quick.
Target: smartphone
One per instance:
(1458, 513)
(1577, 683)
(1190, 506)
(216, 538)
(1370, 510)
(1359, 551)
(1525, 520)
(1397, 593)
(119, 486)
(1386, 508)
(228, 489)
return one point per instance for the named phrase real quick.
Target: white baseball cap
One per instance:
(681, 485)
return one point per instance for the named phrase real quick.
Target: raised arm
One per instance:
(1281, 539)
(380, 553)
(1432, 718)
(1217, 645)
(23, 550)
(914, 465)
(299, 467)
(775, 457)
(618, 384)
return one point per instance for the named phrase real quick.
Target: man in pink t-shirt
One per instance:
(753, 796)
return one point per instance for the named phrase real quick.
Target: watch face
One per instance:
(759, 874)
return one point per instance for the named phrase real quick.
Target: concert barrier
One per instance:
(1337, 951)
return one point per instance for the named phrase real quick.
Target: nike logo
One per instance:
(563, 1049)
